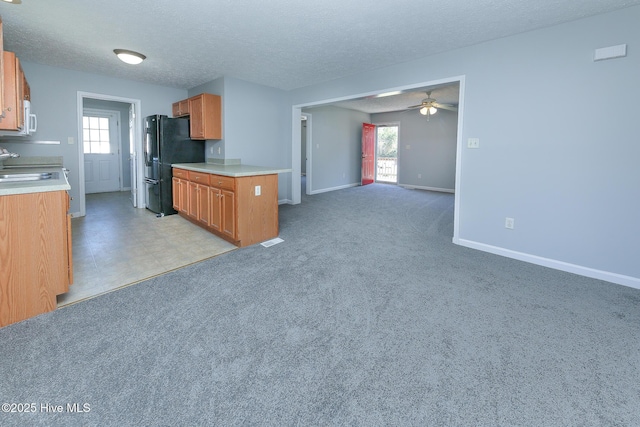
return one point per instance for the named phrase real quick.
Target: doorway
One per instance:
(102, 146)
(297, 108)
(130, 158)
(387, 153)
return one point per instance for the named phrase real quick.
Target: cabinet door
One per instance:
(175, 190)
(184, 196)
(1, 70)
(203, 204)
(229, 213)
(192, 210)
(215, 211)
(13, 110)
(196, 113)
(180, 108)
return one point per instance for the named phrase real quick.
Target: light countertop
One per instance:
(57, 183)
(230, 170)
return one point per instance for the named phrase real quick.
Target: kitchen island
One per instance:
(234, 201)
(35, 241)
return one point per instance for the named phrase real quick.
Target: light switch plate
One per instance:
(473, 143)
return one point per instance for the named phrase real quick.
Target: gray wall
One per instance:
(425, 148)
(336, 151)
(54, 94)
(123, 109)
(256, 129)
(558, 142)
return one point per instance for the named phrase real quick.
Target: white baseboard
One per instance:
(285, 202)
(341, 187)
(420, 187)
(620, 279)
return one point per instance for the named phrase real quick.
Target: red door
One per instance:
(368, 153)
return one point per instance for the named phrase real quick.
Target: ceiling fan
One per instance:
(429, 106)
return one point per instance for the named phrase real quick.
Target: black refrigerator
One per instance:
(166, 141)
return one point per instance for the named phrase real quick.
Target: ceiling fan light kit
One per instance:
(427, 111)
(429, 106)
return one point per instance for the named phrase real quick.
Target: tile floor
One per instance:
(116, 245)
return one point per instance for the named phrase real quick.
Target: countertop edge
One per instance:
(235, 171)
(60, 184)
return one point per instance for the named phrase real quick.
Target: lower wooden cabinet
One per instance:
(227, 206)
(37, 262)
(223, 212)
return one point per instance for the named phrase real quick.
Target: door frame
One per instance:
(389, 124)
(136, 143)
(296, 111)
(309, 166)
(112, 115)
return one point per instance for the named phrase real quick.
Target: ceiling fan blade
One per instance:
(416, 106)
(445, 106)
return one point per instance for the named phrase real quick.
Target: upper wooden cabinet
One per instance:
(205, 112)
(14, 93)
(1, 69)
(180, 108)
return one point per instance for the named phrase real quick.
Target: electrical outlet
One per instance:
(509, 223)
(419, 175)
(219, 149)
(473, 143)
(258, 190)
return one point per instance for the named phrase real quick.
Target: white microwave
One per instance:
(30, 123)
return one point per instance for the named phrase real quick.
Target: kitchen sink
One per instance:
(25, 176)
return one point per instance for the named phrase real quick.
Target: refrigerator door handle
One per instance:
(151, 181)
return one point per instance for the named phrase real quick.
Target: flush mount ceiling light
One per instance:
(13, 1)
(129, 56)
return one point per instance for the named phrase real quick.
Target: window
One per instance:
(95, 135)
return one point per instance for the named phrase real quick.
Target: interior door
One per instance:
(368, 153)
(101, 152)
(133, 165)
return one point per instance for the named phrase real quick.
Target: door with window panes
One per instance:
(101, 151)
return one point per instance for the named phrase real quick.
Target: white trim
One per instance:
(137, 143)
(388, 124)
(309, 151)
(296, 155)
(421, 187)
(284, 201)
(457, 198)
(632, 282)
(340, 187)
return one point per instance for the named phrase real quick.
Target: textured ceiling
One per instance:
(444, 94)
(280, 43)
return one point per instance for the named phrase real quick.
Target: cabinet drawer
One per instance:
(180, 173)
(199, 177)
(224, 182)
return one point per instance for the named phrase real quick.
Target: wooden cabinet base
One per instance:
(242, 210)
(35, 255)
